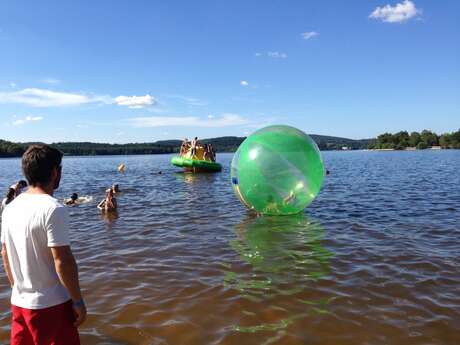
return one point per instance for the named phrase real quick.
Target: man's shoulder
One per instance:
(43, 202)
(51, 204)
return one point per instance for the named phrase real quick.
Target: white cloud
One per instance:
(27, 119)
(13, 85)
(396, 14)
(135, 102)
(309, 34)
(277, 55)
(50, 81)
(244, 83)
(225, 120)
(189, 100)
(47, 98)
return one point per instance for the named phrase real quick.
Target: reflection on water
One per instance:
(191, 178)
(110, 218)
(281, 250)
(285, 256)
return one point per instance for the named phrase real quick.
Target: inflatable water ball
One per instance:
(277, 170)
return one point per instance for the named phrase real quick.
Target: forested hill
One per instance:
(221, 144)
(324, 142)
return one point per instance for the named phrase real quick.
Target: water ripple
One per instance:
(373, 261)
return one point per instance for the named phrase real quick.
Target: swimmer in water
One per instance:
(18, 187)
(73, 199)
(9, 197)
(109, 204)
(115, 188)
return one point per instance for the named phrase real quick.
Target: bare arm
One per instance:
(67, 270)
(6, 265)
(101, 205)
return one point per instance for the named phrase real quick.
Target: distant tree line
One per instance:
(399, 140)
(9, 149)
(423, 140)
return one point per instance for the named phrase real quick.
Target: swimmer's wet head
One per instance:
(74, 196)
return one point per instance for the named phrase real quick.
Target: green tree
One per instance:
(455, 139)
(401, 140)
(414, 139)
(429, 138)
(422, 146)
(445, 140)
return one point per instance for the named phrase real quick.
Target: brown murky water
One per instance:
(374, 260)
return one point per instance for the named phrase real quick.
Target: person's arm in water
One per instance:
(67, 270)
(101, 205)
(6, 265)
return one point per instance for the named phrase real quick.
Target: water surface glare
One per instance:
(373, 260)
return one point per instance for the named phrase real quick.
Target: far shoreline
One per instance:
(232, 152)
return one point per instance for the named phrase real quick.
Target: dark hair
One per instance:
(74, 196)
(38, 163)
(22, 183)
(10, 195)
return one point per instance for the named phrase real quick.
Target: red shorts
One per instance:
(48, 326)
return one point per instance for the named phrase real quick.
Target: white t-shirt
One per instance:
(3, 205)
(30, 225)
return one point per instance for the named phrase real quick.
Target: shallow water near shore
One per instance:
(373, 260)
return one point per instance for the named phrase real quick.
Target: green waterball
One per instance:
(277, 170)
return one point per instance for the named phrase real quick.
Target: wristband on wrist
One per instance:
(79, 303)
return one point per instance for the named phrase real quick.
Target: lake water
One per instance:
(374, 259)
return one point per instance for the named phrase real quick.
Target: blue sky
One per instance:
(136, 71)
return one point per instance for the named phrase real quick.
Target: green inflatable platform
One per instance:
(195, 165)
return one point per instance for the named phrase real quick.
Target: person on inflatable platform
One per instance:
(46, 301)
(184, 147)
(194, 145)
(206, 152)
(212, 152)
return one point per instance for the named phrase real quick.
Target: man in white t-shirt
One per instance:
(47, 305)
